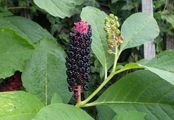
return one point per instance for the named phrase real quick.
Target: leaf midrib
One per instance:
(46, 80)
(129, 102)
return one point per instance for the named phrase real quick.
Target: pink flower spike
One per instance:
(81, 27)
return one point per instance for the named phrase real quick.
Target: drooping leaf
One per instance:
(61, 111)
(45, 73)
(141, 91)
(18, 106)
(26, 28)
(129, 115)
(95, 18)
(59, 8)
(14, 52)
(105, 112)
(162, 65)
(163, 61)
(138, 29)
(169, 19)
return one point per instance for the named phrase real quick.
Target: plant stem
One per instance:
(12, 8)
(115, 59)
(78, 94)
(107, 79)
(82, 103)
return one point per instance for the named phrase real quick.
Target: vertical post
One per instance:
(149, 47)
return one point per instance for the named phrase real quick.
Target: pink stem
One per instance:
(78, 93)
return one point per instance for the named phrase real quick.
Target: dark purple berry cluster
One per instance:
(78, 56)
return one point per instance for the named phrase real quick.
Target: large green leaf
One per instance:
(59, 8)
(141, 91)
(26, 28)
(18, 106)
(105, 112)
(14, 52)
(95, 18)
(56, 98)
(129, 115)
(162, 65)
(45, 73)
(61, 111)
(138, 29)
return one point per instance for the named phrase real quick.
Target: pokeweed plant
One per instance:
(114, 41)
(146, 94)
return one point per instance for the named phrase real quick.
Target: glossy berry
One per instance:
(78, 56)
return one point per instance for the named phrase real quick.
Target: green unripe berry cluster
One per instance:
(112, 31)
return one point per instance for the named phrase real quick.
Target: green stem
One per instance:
(83, 103)
(115, 60)
(107, 79)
